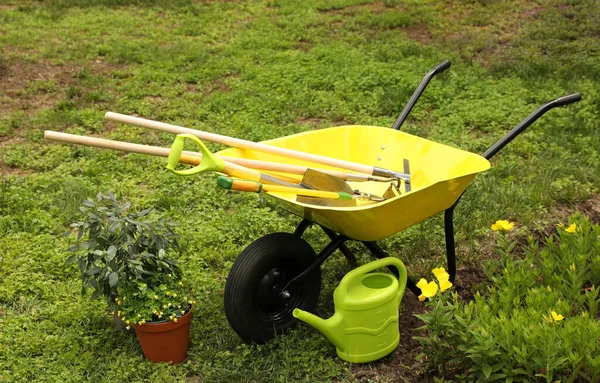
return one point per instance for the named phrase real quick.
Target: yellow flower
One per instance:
(572, 228)
(127, 322)
(572, 266)
(502, 225)
(175, 320)
(128, 328)
(168, 293)
(156, 297)
(428, 290)
(174, 295)
(180, 283)
(557, 317)
(445, 285)
(119, 313)
(440, 273)
(139, 315)
(182, 312)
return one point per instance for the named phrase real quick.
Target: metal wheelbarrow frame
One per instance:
(280, 271)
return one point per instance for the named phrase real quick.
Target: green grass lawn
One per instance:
(259, 70)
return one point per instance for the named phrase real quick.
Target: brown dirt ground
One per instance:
(17, 76)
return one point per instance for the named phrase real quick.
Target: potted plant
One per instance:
(114, 244)
(158, 306)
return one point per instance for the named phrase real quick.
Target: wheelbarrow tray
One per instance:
(439, 175)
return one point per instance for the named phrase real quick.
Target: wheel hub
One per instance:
(274, 305)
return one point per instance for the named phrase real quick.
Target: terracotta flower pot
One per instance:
(165, 341)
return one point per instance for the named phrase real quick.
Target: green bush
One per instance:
(115, 245)
(536, 321)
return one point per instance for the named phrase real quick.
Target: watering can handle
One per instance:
(371, 266)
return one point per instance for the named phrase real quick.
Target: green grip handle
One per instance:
(175, 153)
(209, 161)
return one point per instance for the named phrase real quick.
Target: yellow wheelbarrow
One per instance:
(280, 272)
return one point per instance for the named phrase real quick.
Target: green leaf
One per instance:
(113, 278)
(112, 251)
(94, 270)
(487, 370)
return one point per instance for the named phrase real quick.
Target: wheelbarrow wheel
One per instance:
(254, 306)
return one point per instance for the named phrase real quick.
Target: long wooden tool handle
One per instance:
(232, 169)
(259, 147)
(119, 145)
(193, 158)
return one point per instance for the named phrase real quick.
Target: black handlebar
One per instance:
(566, 100)
(413, 99)
(561, 101)
(442, 67)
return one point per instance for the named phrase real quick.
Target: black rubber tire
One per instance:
(253, 307)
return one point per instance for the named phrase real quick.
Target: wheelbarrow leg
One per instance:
(450, 247)
(305, 224)
(343, 248)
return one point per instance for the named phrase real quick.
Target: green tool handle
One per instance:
(209, 161)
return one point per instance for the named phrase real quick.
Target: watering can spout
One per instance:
(329, 327)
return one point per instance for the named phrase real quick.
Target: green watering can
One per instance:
(364, 327)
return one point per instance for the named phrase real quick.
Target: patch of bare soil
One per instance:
(17, 83)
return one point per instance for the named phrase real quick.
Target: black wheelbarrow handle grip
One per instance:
(561, 101)
(441, 67)
(417, 93)
(566, 100)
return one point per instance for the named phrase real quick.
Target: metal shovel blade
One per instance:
(317, 180)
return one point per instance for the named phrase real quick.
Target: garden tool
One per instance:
(312, 179)
(194, 158)
(259, 147)
(257, 187)
(210, 162)
(364, 326)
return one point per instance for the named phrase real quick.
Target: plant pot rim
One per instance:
(164, 325)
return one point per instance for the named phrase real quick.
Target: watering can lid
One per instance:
(366, 292)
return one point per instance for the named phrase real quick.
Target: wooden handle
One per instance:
(191, 158)
(239, 143)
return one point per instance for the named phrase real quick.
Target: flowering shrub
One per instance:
(114, 245)
(160, 297)
(536, 320)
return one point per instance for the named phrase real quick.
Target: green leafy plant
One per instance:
(536, 321)
(115, 246)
